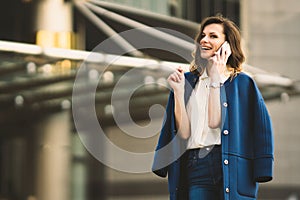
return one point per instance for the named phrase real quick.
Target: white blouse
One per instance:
(197, 111)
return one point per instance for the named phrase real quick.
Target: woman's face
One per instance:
(212, 38)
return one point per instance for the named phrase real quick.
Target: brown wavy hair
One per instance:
(232, 36)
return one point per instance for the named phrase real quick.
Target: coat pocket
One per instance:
(246, 185)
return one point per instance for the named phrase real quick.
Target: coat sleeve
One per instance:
(263, 139)
(165, 137)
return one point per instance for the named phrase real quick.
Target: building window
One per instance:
(196, 10)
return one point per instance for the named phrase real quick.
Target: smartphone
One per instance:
(223, 47)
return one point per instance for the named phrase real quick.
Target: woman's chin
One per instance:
(205, 56)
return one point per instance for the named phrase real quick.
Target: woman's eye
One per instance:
(214, 36)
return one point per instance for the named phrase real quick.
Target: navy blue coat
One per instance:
(247, 141)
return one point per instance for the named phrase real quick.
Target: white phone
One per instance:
(223, 47)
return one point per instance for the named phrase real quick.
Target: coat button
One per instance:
(226, 162)
(225, 132)
(227, 190)
(225, 104)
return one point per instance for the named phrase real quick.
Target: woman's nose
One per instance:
(203, 40)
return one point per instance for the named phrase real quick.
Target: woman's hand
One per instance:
(176, 80)
(217, 63)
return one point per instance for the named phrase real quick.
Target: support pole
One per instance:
(101, 25)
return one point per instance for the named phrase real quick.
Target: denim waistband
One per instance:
(202, 152)
(211, 147)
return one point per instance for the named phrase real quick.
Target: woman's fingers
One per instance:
(176, 80)
(177, 76)
(179, 69)
(227, 52)
(174, 77)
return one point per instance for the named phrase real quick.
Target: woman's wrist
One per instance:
(179, 96)
(215, 85)
(215, 79)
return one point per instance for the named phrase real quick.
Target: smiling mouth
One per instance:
(205, 48)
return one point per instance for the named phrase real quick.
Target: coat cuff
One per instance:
(263, 169)
(160, 172)
(157, 165)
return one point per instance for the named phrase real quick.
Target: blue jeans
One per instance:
(204, 172)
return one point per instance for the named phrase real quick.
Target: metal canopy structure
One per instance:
(111, 19)
(35, 81)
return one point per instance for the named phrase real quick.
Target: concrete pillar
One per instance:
(54, 158)
(54, 22)
(79, 169)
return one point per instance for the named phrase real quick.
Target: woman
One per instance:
(219, 115)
